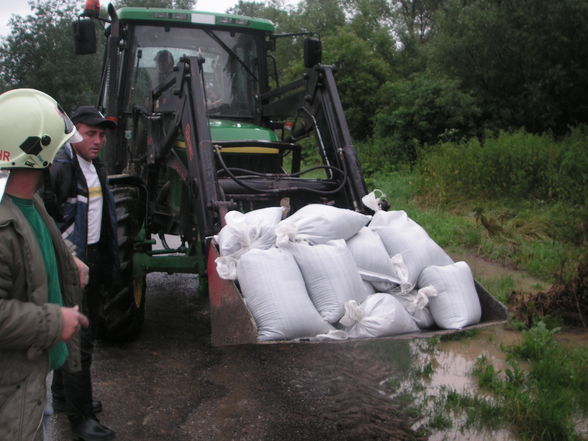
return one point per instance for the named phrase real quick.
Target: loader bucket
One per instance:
(230, 319)
(233, 324)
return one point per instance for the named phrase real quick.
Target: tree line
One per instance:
(409, 72)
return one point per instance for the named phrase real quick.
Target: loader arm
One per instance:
(192, 123)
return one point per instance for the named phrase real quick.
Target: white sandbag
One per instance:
(409, 239)
(330, 275)
(318, 223)
(368, 287)
(336, 334)
(398, 284)
(389, 218)
(226, 267)
(372, 259)
(275, 293)
(242, 232)
(416, 304)
(457, 303)
(379, 315)
(424, 318)
(269, 216)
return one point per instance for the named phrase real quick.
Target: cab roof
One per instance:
(199, 17)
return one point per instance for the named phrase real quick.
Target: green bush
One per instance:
(572, 176)
(383, 155)
(424, 109)
(516, 166)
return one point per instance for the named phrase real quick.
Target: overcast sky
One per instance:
(21, 7)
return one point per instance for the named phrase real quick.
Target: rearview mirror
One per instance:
(312, 51)
(84, 37)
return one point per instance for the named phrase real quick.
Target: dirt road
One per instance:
(172, 385)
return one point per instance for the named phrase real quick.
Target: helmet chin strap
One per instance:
(3, 178)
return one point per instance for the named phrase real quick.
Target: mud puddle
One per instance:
(447, 366)
(453, 362)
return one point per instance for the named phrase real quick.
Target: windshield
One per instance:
(230, 66)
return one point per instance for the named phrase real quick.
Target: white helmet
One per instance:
(33, 127)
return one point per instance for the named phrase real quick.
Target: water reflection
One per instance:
(455, 359)
(447, 366)
(453, 363)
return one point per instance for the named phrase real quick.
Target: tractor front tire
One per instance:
(123, 305)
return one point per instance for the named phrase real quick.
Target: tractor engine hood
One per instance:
(226, 130)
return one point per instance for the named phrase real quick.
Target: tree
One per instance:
(39, 54)
(414, 18)
(360, 73)
(425, 109)
(525, 60)
(373, 21)
(321, 16)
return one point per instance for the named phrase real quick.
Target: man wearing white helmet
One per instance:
(40, 283)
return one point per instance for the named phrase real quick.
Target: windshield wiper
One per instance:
(230, 52)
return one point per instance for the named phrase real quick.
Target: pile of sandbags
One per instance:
(327, 272)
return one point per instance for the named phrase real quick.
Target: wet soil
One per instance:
(568, 301)
(171, 385)
(489, 270)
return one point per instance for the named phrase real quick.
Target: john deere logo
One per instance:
(4, 155)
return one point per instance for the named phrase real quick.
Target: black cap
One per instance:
(90, 116)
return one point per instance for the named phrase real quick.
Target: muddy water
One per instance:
(455, 359)
(453, 362)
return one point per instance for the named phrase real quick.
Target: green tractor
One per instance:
(205, 127)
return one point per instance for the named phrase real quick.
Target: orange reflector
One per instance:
(92, 8)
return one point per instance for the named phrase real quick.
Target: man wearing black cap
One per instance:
(82, 205)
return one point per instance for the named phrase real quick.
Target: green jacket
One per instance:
(29, 325)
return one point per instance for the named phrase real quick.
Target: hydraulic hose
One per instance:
(277, 190)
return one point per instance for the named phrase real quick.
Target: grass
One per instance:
(542, 401)
(501, 287)
(516, 165)
(537, 239)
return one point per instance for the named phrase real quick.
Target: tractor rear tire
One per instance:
(123, 305)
